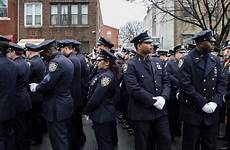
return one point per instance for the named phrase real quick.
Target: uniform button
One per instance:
(213, 88)
(156, 89)
(204, 80)
(213, 79)
(186, 101)
(155, 81)
(204, 89)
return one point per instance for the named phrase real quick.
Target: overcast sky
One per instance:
(117, 13)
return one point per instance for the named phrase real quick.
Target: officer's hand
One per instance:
(213, 106)
(159, 104)
(207, 108)
(33, 87)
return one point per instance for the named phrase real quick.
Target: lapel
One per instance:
(142, 63)
(153, 64)
(211, 63)
(198, 60)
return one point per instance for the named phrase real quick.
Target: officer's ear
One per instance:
(107, 62)
(138, 45)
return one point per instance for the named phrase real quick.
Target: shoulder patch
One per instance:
(105, 81)
(53, 66)
(125, 67)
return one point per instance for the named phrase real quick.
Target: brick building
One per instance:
(111, 34)
(8, 19)
(58, 19)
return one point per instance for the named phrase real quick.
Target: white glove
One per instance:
(33, 87)
(159, 104)
(177, 95)
(213, 106)
(207, 108)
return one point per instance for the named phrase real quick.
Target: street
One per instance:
(125, 141)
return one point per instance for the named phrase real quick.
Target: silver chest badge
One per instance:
(158, 66)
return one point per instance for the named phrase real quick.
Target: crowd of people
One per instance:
(156, 94)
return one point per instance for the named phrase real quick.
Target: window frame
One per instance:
(70, 21)
(7, 13)
(33, 14)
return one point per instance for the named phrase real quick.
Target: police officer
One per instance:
(58, 103)
(84, 88)
(172, 67)
(23, 101)
(148, 87)
(163, 54)
(102, 43)
(38, 70)
(8, 74)
(101, 101)
(203, 86)
(66, 49)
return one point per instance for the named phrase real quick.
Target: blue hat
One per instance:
(46, 45)
(105, 42)
(31, 47)
(105, 55)
(76, 43)
(4, 43)
(4, 39)
(226, 45)
(63, 43)
(66, 42)
(190, 46)
(143, 37)
(180, 48)
(162, 51)
(16, 47)
(205, 35)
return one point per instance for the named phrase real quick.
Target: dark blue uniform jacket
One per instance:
(8, 74)
(201, 84)
(58, 102)
(101, 97)
(145, 79)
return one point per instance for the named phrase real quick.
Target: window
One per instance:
(33, 14)
(186, 9)
(54, 14)
(84, 14)
(3, 8)
(71, 14)
(109, 34)
(74, 14)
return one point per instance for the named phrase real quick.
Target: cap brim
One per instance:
(182, 51)
(100, 58)
(212, 39)
(147, 41)
(226, 47)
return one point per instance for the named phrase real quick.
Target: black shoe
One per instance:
(224, 148)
